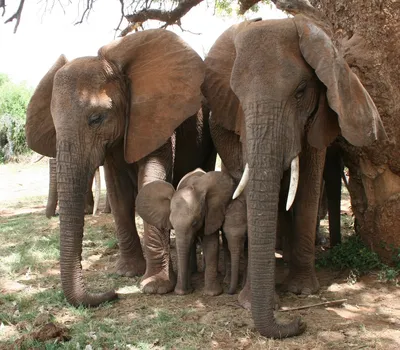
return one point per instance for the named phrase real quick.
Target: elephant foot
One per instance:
(213, 288)
(130, 267)
(181, 291)
(158, 283)
(301, 283)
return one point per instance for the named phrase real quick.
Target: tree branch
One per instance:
(169, 17)
(16, 15)
(86, 12)
(326, 303)
(3, 5)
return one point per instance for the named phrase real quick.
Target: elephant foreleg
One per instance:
(302, 277)
(121, 195)
(211, 249)
(159, 277)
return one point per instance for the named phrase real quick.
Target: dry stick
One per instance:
(326, 303)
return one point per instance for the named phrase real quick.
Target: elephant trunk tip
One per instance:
(280, 331)
(92, 300)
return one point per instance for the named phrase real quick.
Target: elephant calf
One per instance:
(197, 208)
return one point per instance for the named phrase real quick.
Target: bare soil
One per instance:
(369, 318)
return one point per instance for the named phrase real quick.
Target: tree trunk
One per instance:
(368, 33)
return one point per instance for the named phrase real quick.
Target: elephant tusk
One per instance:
(243, 182)
(96, 191)
(294, 181)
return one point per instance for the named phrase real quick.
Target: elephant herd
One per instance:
(269, 98)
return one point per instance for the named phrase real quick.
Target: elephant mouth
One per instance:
(294, 181)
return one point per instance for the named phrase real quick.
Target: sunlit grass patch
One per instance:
(29, 242)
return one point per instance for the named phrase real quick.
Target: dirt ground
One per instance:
(368, 318)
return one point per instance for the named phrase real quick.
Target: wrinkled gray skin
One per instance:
(283, 90)
(235, 231)
(136, 108)
(196, 209)
(52, 198)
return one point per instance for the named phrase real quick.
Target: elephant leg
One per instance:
(227, 260)
(159, 277)
(52, 198)
(89, 200)
(333, 184)
(107, 208)
(121, 193)
(302, 278)
(193, 257)
(211, 249)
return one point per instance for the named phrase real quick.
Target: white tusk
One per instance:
(294, 181)
(97, 189)
(243, 182)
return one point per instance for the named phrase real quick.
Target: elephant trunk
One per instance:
(52, 197)
(265, 135)
(235, 261)
(183, 246)
(72, 182)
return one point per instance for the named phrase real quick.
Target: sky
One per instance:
(43, 36)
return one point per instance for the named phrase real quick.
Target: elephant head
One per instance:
(279, 84)
(199, 202)
(131, 97)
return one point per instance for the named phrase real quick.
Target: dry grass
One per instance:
(31, 295)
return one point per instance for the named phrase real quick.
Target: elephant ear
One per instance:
(358, 116)
(165, 77)
(224, 104)
(39, 127)
(153, 204)
(190, 178)
(218, 189)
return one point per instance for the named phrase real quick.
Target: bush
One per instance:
(14, 99)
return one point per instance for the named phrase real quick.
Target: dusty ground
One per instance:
(34, 314)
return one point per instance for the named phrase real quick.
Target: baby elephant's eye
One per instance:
(96, 119)
(194, 223)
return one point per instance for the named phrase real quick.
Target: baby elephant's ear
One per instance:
(153, 204)
(358, 116)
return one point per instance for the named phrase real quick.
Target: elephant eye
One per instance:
(96, 119)
(194, 223)
(300, 90)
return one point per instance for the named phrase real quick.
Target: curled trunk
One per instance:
(265, 164)
(72, 183)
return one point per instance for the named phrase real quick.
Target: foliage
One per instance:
(353, 254)
(14, 99)
(229, 7)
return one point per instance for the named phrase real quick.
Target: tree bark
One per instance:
(368, 34)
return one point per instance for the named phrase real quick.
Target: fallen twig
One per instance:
(326, 303)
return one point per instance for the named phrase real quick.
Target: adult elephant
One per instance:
(282, 88)
(120, 108)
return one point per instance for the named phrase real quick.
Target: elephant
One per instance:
(234, 230)
(283, 91)
(91, 204)
(196, 209)
(121, 109)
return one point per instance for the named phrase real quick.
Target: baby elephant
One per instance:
(196, 208)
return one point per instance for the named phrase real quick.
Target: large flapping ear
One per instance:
(190, 178)
(218, 188)
(324, 128)
(358, 116)
(153, 203)
(39, 127)
(165, 77)
(224, 104)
